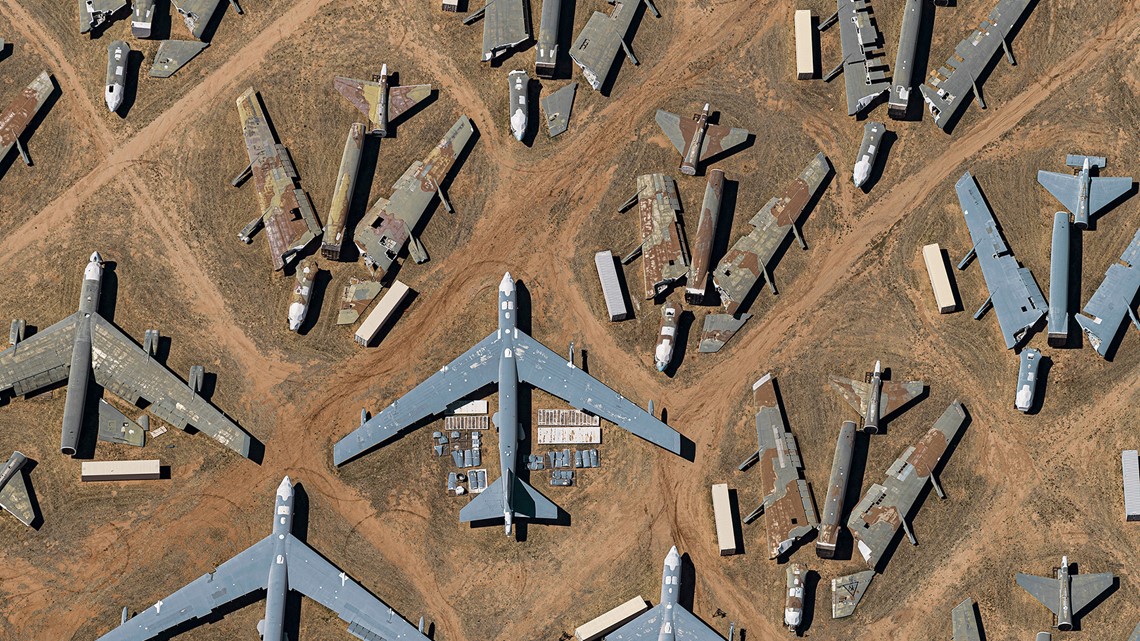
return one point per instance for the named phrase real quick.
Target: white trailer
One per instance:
(381, 313)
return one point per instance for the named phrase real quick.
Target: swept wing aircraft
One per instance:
(391, 222)
(379, 101)
(876, 399)
(20, 112)
(1066, 595)
(964, 621)
(506, 24)
(14, 495)
(789, 509)
(668, 620)
(86, 344)
(596, 47)
(1014, 293)
(864, 66)
(506, 357)
(884, 508)
(276, 564)
(286, 211)
(696, 139)
(1083, 194)
(1105, 311)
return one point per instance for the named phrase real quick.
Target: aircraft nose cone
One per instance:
(113, 97)
(383, 69)
(673, 559)
(661, 366)
(507, 285)
(285, 490)
(95, 258)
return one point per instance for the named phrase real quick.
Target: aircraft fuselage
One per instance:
(871, 421)
(693, 152)
(80, 372)
(272, 627)
(1084, 183)
(670, 589)
(506, 419)
(1065, 615)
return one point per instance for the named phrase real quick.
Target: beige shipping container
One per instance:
(611, 620)
(381, 313)
(121, 470)
(805, 45)
(725, 528)
(939, 278)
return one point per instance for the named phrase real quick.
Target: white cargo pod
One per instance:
(121, 470)
(939, 278)
(805, 45)
(725, 528)
(611, 620)
(381, 313)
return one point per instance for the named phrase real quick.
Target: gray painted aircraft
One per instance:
(14, 495)
(85, 343)
(965, 623)
(1066, 595)
(668, 620)
(20, 113)
(173, 55)
(884, 508)
(506, 357)
(278, 563)
(142, 18)
(1083, 194)
(1105, 311)
(506, 24)
(596, 47)
(1014, 293)
(696, 139)
(876, 399)
(378, 100)
(94, 13)
(117, 54)
(864, 67)
(197, 13)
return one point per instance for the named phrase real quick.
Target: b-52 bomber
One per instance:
(20, 113)
(668, 620)
(286, 211)
(14, 496)
(1066, 595)
(696, 139)
(876, 399)
(276, 564)
(596, 47)
(506, 357)
(85, 343)
(1084, 194)
(379, 101)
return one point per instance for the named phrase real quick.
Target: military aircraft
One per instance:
(877, 517)
(667, 620)
(696, 139)
(392, 221)
(596, 47)
(876, 399)
(116, 85)
(664, 252)
(1083, 194)
(1014, 293)
(506, 24)
(286, 211)
(864, 67)
(197, 13)
(378, 100)
(14, 495)
(276, 564)
(1066, 595)
(506, 357)
(94, 13)
(965, 623)
(20, 112)
(1101, 317)
(789, 509)
(85, 343)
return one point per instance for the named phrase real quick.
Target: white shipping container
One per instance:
(611, 620)
(722, 511)
(121, 470)
(939, 278)
(805, 45)
(1130, 466)
(381, 313)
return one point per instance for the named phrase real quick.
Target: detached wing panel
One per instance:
(646, 627)
(367, 617)
(401, 99)
(687, 627)
(40, 361)
(854, 392)
(893, 396)
(680, 132)
(125, 369)
(363, 95)
(1047, 591)
(719, 139)
(1103, 191)
(22, 110)
(14, 498)
(505, 25)
(965, 622)
(246, 572)
(474, 369)
(1085, 588)
(544, 369)
(1064, 187)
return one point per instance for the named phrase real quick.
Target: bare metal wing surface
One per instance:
(892, 396)
(864, 67)
(506, 24)
(367, 97)
(1113, 300)
(664, 252)
(39, 361)
(596, 48)
(946, 89)
(286, 211)
(126, 370)
(1045, 590)
(196, 14)
(21, 111)
(964, 622)
(474, 369)
(14, 496)
(875, 521)
(1085, 588)
(1016, 298)
(717, 138)
(648, 627)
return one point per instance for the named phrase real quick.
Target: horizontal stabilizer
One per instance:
(528, 503)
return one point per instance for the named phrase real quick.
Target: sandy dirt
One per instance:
(151, 192)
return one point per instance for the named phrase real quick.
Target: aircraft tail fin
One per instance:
(531, 504)
(528, 503)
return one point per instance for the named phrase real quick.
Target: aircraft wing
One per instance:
(664, 252)
(894, 395)
(789, 511)
(1104, 190)
(196, 14)
(719, 138)
(1105, 311)
(365, 96)
(864, 68)
(544, 369)
(646, 627)
(854, 392)
(39, 361)
(964, 621)
(123, 368)
(878, 516)
(597, 45)
(246, 572)
(404, 97)
(506, 23)
(687, 627)
(1064, 187)
(680, 132)
(367, 617)
(474, 369)
(22, 110)
(14, 497)
(1085, 588)
(1045, 590)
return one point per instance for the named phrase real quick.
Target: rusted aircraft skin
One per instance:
(333, 237)
(696, 287)
(22, 110)
(379, 100)
(664, 254)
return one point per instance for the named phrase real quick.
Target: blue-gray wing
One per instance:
(1064, 187)
(233, 579)
(475, 368)
(368, 617)
(687, 627)
(1085, 588)
(1103, 191)
(646, 627)
(670, 124)
(964, 621)
(40, 361)
(544, 369)
(1045, 590)
(1112, 300)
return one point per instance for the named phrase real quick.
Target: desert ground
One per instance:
(151, 192)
